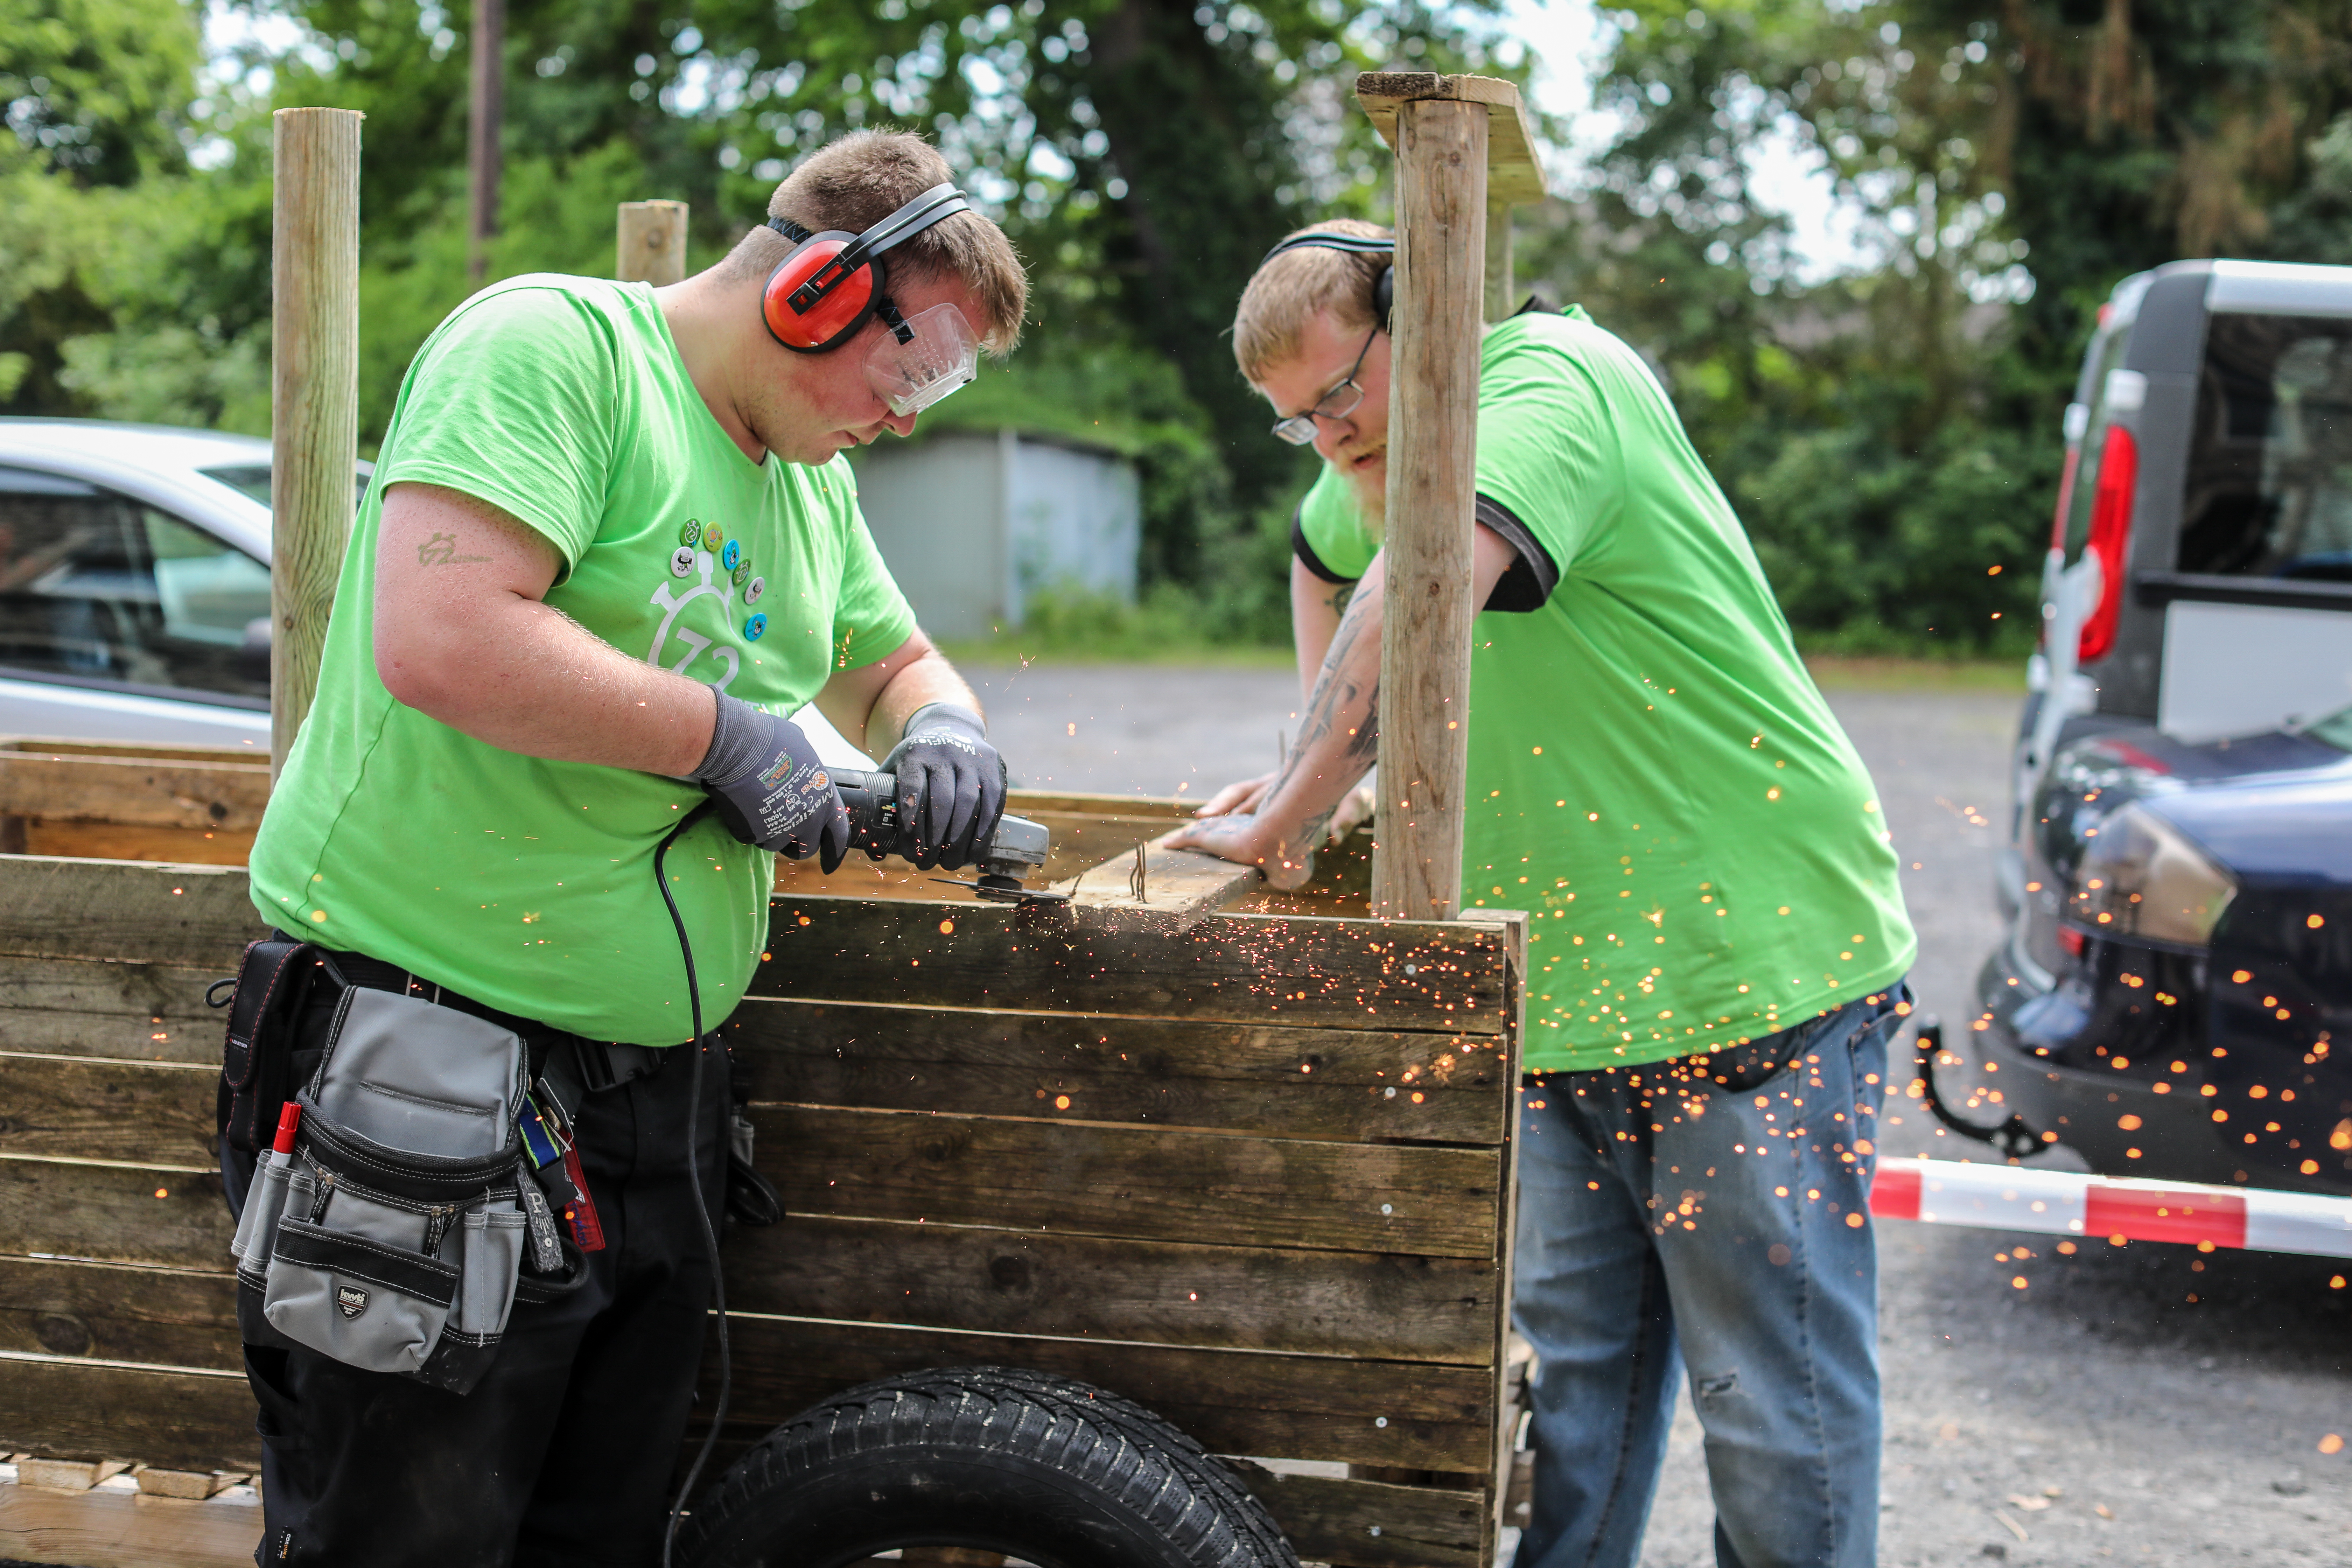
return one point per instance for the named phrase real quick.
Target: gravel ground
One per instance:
(2138, 1404)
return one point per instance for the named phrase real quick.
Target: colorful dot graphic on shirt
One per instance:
(711, 537)
(759, 586)
(681, 561)
(754, 628)
(742, 573)
(732, 554)
(692, 533)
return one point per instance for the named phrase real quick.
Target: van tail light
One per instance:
(2111, 521)
(2065, 495)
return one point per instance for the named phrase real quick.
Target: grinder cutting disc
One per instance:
(999, 889)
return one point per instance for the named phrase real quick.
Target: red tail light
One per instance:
(2111, 521)
(2065, 496)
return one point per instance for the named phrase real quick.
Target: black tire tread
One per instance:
(1162, 1477)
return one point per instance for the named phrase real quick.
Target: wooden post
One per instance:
(1424, 700)
(1461, 142)
(314, 395)
(1502, 298)
(650, 243)
(486, 112)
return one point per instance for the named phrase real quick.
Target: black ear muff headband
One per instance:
(820, 294)
(1383, 287)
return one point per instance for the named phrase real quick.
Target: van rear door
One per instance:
(2258, 605)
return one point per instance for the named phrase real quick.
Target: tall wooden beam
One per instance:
(314, 395)
(1502, 298)
(650, 243)
(486, 112)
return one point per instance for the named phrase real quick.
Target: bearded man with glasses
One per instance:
(1718, 945)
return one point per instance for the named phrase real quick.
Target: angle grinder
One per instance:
(1017, 849)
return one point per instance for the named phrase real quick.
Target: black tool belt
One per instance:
(573, 1064)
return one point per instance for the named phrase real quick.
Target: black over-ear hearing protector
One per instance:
(1384, 288)
(820, 294)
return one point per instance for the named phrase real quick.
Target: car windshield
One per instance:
(252, 481)
(2269, 489)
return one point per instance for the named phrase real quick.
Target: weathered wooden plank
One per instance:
(136, 750)
(117, 1312)
(1176, 882)
(1224, 968)
(1370, 1524)
(1384, 1305)
(1341, 1083)
(1232, 1402)
(121, 909)
(125, 1530)
(116, 1213)
(111, 841)
(1514, 174)
(1130, 1181)
(172, 1417)
(134, 792)
(152, 1012)
(140, 1112)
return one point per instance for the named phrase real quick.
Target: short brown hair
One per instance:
(1297, 284)
(856, 183)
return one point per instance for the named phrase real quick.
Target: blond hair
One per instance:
(856, 182)
(1295, 285)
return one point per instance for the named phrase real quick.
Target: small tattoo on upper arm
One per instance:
(441, 550)
(1340, 597)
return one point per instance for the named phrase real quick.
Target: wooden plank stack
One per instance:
(1252, 1170)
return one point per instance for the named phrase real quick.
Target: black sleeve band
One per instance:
(1306, 551)
(1528, 584)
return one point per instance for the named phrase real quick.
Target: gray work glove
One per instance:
(951, 786)
(768, 788)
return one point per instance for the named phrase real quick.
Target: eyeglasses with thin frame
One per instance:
(1337, 404)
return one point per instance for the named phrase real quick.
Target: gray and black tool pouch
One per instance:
(393, 1239)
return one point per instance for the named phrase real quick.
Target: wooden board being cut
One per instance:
(1514, 176)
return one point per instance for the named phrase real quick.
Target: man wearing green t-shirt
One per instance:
(610, 543)
(1718, 943)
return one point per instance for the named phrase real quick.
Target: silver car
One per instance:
(134, 584)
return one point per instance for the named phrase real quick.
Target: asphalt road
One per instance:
(2137, 1406)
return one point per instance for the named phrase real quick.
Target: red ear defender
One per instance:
(820, 294)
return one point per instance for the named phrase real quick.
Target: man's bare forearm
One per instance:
(1338, 739)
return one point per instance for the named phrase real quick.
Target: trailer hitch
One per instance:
(2014, 1138)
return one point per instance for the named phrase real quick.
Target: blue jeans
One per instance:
(1713, 1212)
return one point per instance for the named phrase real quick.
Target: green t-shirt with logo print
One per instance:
(1653, 775)
(524, 883)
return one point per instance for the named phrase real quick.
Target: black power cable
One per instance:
(694, 1176)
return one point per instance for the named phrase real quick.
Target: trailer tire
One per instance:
(1045, 1469)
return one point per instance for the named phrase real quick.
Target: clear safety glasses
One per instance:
(1337, 404)
(922, 359)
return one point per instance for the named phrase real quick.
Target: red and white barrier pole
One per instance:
(2065, 1203)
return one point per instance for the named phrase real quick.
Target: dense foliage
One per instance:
(1890, 432)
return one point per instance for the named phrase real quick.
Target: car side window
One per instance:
(99, 586)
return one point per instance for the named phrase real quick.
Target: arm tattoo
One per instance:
(1340, 594)
(1335, 692)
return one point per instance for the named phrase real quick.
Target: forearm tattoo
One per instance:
(1336, 693)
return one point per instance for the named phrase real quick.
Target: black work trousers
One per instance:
(564, 1452)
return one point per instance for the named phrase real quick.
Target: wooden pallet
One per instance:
(1252, 1169)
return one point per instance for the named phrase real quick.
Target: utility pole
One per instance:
(485, 109)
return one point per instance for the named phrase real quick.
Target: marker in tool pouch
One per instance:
(289, 1118)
